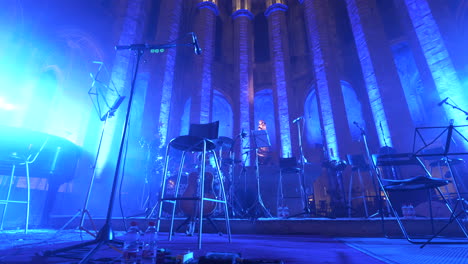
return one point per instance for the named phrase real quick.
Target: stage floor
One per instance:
(17, 247)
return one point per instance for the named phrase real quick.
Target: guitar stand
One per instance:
(191, 221)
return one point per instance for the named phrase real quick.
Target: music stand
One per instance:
(260, 140)
(101, 93)
(422, 150)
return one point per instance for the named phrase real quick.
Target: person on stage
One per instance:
(264, 154)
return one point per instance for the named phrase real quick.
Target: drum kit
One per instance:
(236, 175)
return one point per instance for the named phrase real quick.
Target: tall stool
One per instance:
(16, 160)
(358, 164)
(199, 140)
(289, 166)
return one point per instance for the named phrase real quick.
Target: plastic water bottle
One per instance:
(405, 210)
(411, 211)
(280, 212)
(150, 242)
(285, 211)
(131, 246)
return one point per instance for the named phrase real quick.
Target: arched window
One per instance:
(261, 45)
(353, 110)
(222, 111)
(264, 110)
(313, 131)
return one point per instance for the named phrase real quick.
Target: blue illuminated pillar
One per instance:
(168, 30)
(244, 59)
(275, 14)
(202, 89)
(390, 113)
(437, 57)
(132, 32)
(332, 107)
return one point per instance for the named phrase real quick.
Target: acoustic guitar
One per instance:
(190, 207)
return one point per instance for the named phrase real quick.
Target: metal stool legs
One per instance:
(280, 200)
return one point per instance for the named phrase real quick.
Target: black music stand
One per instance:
(101, 94)
(443, 136)
(260, 140)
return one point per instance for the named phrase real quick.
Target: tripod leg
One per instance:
(91, 253)
(49, 253)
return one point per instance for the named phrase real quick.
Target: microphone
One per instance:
(360, 128)
(297, 119)
(243, 134)
(442, 102)
(196, 47)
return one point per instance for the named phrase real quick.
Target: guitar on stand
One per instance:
(190, 206)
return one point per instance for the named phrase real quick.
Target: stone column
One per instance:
(121, 74)
(279, 50)
(320, 29)
(390, 111)
(323, 49)
(243, 50)
(202, 89)
(160, 98)
(438, 60)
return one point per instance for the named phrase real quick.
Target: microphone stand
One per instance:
(305, 201)
(236, 208)
(106, 235)
(457, 108)
(374, 170)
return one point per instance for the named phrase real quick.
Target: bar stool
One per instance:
(289, 166)
(198, 140)
(358, 164)
(16, 160)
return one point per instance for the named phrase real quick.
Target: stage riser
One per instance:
(316, 226)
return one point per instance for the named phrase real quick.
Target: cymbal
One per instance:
(441, 162)
(225, 142)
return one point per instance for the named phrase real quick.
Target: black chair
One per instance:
(403, 187)
(288, 166)
(199, 140)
